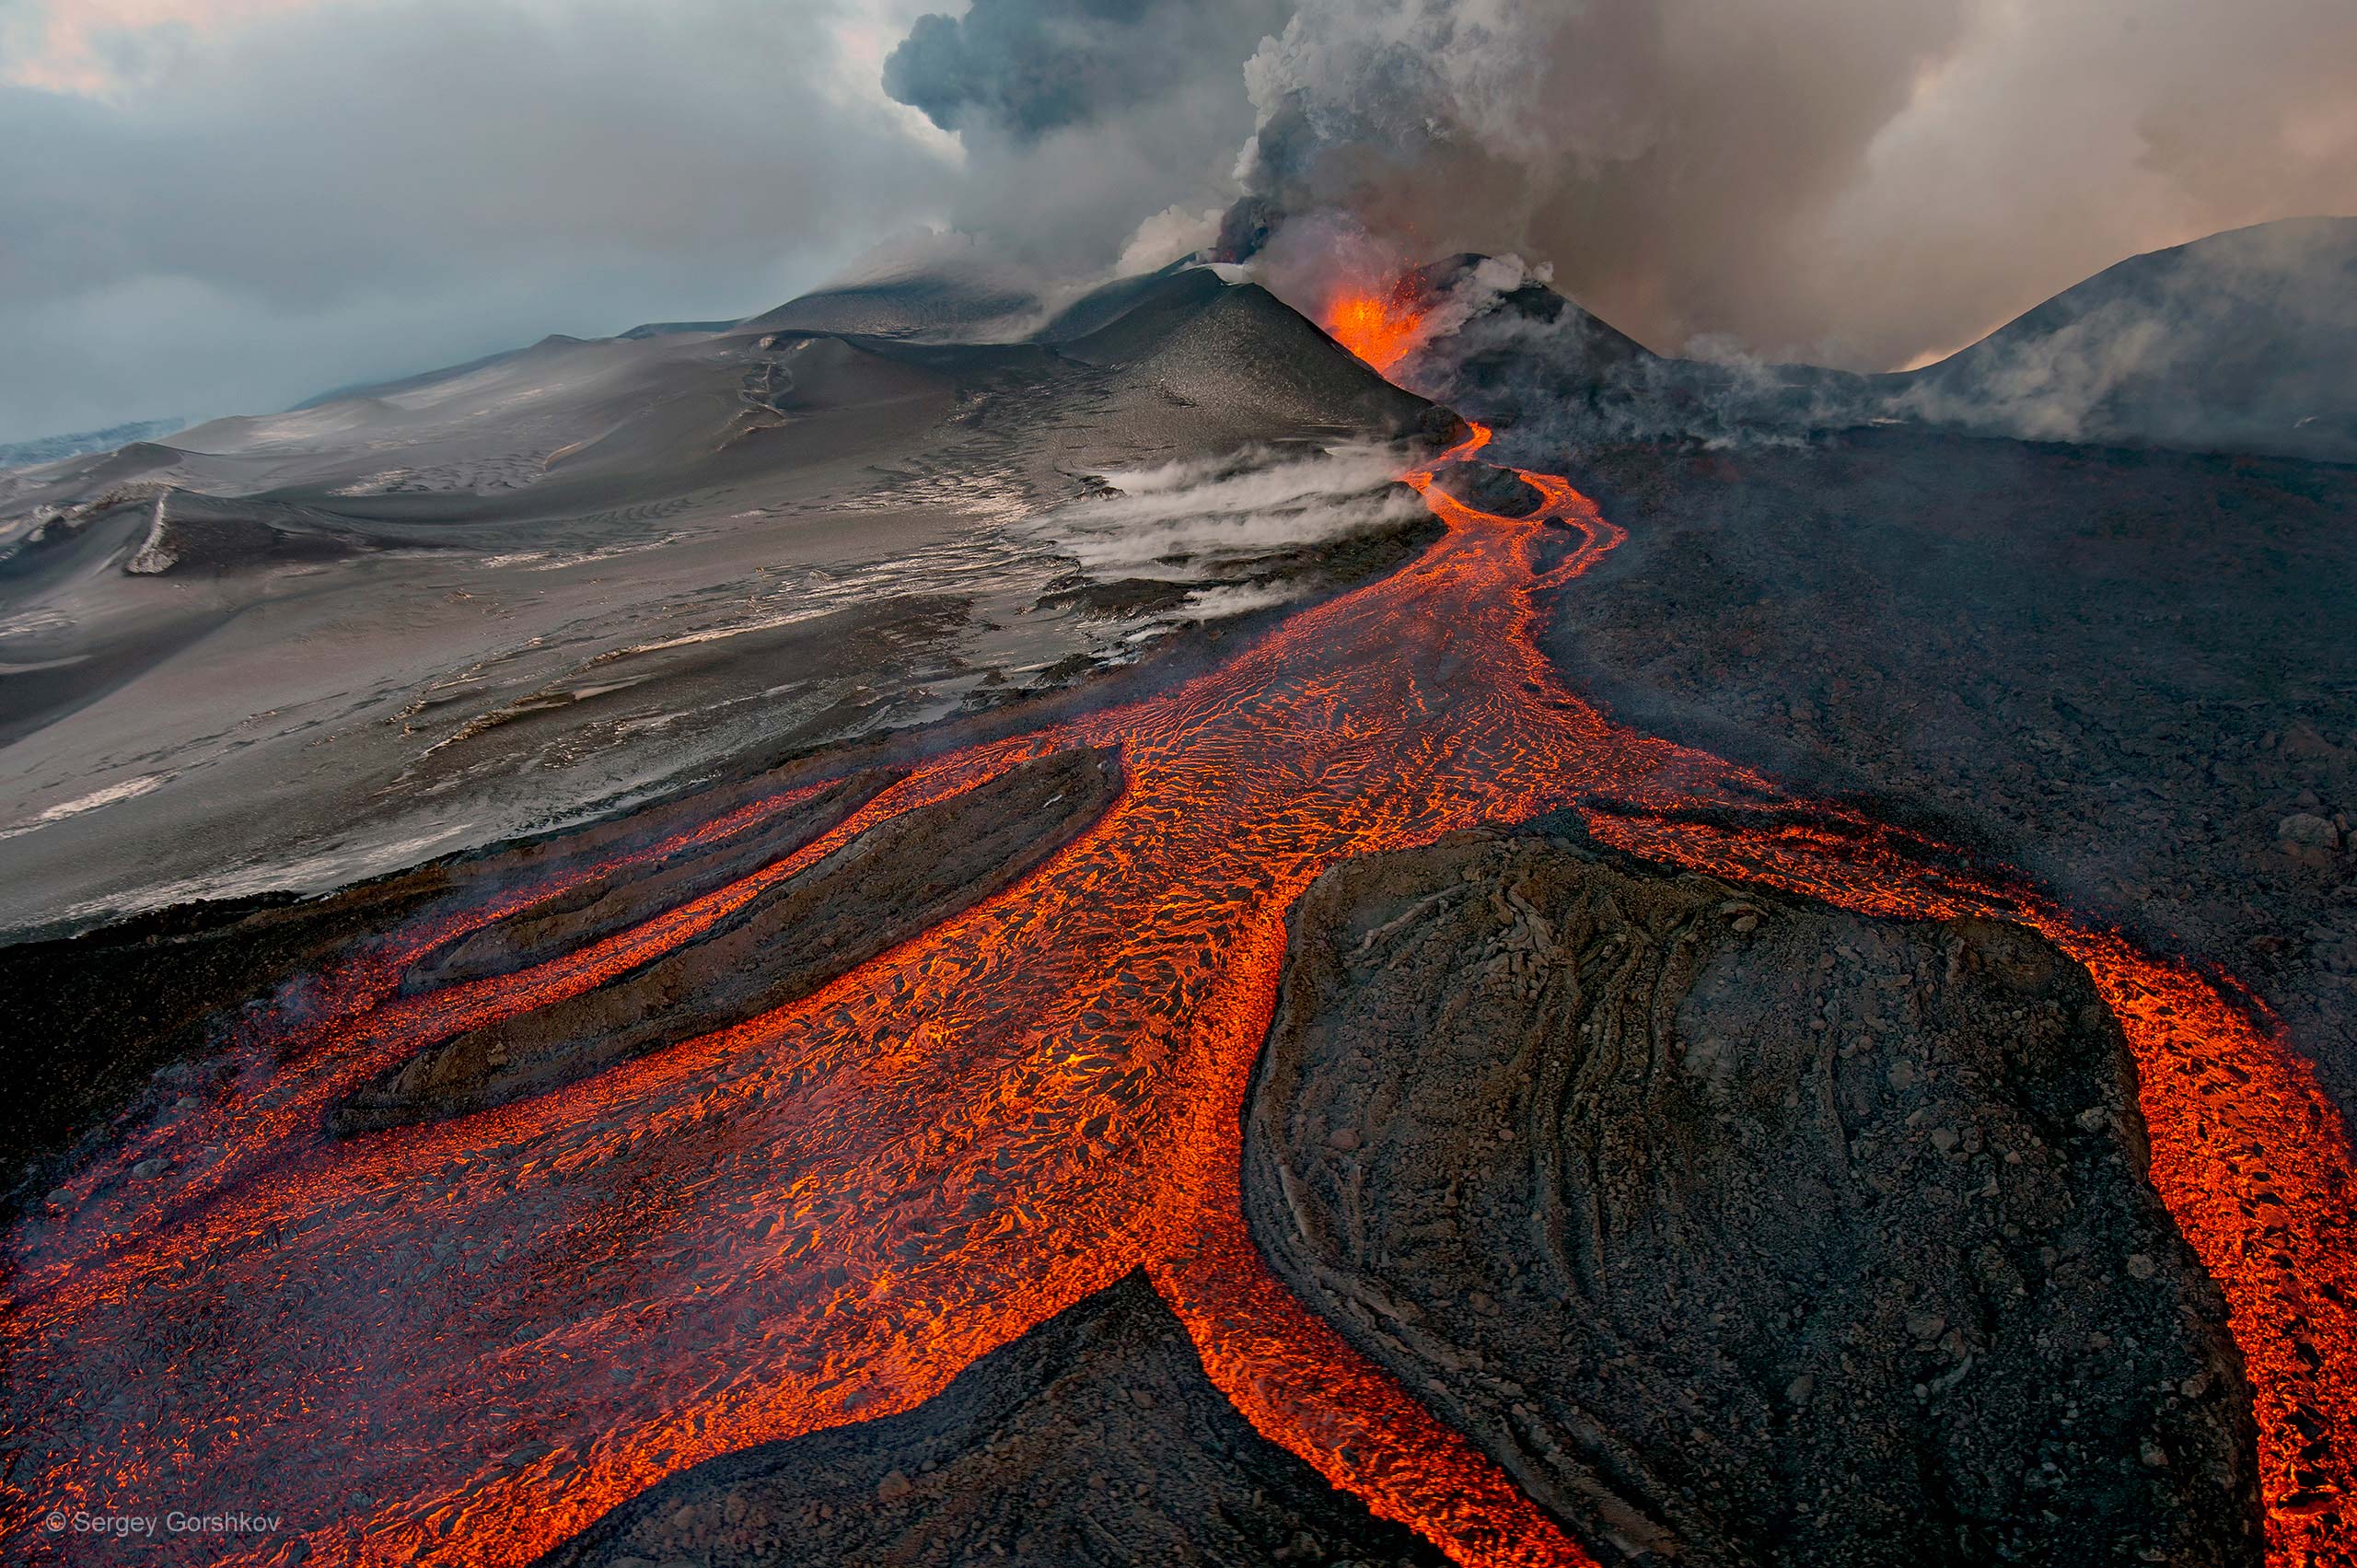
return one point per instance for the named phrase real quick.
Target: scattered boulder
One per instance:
(2308, 831)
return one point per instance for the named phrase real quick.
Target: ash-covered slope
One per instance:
(1742, 1230)
(2244, 341)
(1094, 1439)
(291, 649)
(926, 307)
(1196, 342)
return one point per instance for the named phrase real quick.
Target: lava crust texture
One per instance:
(888, 884)
(1741, 1228)
(636, 891)
(1096, 1438)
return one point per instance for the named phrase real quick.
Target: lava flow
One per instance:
(461, 1342)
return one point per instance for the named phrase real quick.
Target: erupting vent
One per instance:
(1381, 328)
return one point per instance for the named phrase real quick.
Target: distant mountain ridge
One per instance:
(50, 448)
(2243, 341)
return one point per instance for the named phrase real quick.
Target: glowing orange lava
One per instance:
(1380, 328)
(459, 1344)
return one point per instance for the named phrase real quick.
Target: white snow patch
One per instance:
(129, 789)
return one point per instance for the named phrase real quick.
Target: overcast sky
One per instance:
(219, 205)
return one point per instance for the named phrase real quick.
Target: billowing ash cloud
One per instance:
(1856, 181)
(1030, 67)
(1851, 182)
(1096, 132)
(1653, 150)
(212, 205)
(1866, 184)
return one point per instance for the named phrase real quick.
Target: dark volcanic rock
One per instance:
(1741, 1228)
(2121, 671)
(1490, 488)
(118, 1021)
(1096, 1438)
(603, 905)
(902, 876)
(1123, 597)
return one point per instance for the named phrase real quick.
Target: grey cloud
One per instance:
(1083, 120)
(354, 191)
(1065, 202)
(1658, 152)
(1025, 67)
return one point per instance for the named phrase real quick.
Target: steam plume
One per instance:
(1864, 183)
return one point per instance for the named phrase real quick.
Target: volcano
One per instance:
(1130, 941)
(619, 566)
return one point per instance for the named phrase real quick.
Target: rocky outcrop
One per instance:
(1741, 1229)
(193, 533)
(1094, 1439)
(899, 878)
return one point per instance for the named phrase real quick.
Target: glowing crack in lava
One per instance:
(1380, 327)
(461, 1342)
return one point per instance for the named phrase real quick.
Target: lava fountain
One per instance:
(1382, 327)
(461, 1342)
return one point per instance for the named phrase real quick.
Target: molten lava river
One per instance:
(460, 1342)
